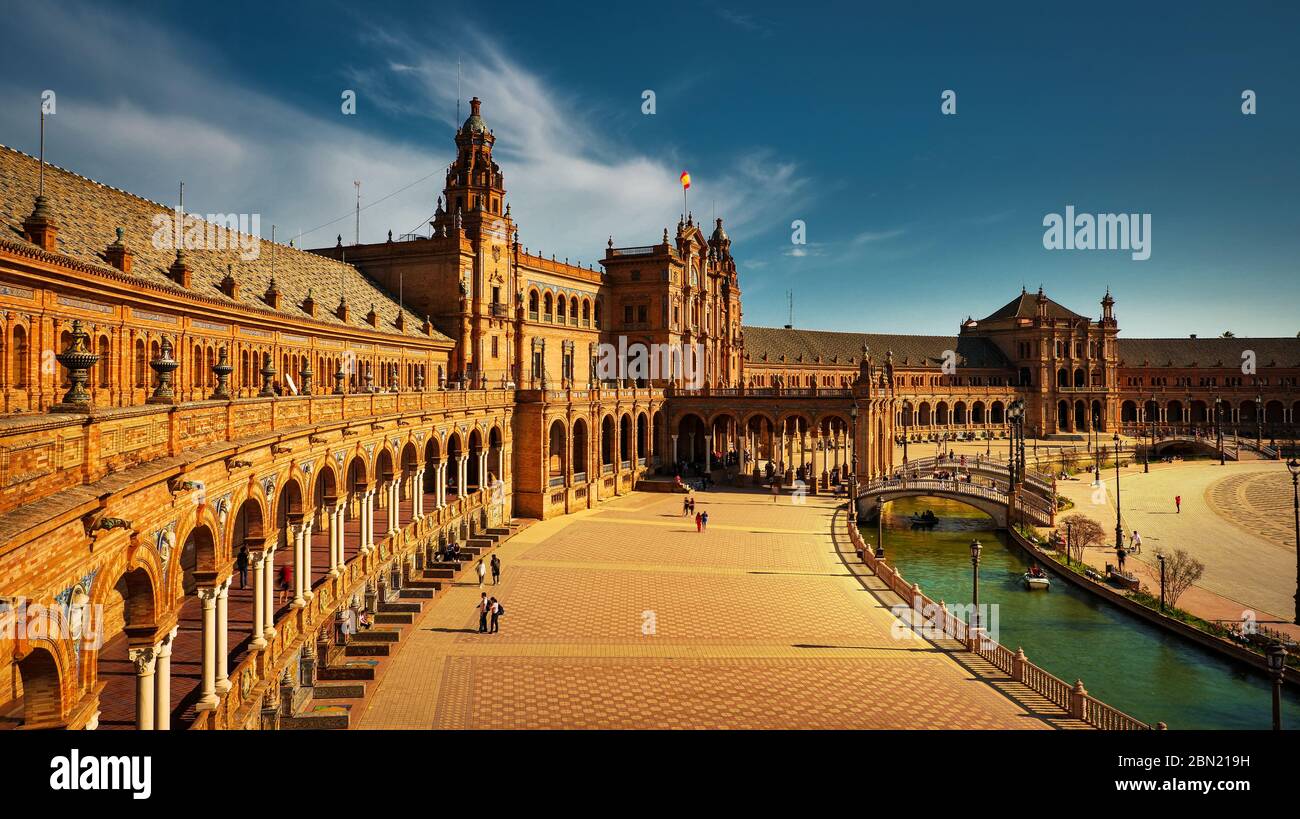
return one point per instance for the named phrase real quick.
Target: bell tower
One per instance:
(474, 182)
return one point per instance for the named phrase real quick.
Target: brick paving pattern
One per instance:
(625, 617)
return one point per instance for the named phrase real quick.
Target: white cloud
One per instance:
(184, 114)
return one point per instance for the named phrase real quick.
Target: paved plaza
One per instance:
(1236, 519)
(626, 617)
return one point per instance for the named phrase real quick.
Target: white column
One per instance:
(674, 449)
(296, 532)
(394, 499)
(268, 593)
(482, 470)
(144, 660)
(462, 475)
(208, 686)
(222, 683)
(307, 593)
(417, 494)
(708, 453)
(260, 574)
(162, 698)
(368, 520)
(336, 539)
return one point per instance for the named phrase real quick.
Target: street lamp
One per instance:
(1119, 529)
(1294, 468)
(1161, 558)
(975, 548)
(853, 474)
(907, 423)
(1151, 425)
(1218, 428)
(1259, 419)
(1277, 667)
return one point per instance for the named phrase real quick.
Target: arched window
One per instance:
(19, 349)
(104, 366)
(140, 363)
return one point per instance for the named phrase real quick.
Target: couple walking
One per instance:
(489, 608)
(482, 570)
(701, 521)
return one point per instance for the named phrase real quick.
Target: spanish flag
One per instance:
(686, 180)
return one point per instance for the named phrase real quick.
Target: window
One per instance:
(495, 351)
(627, 314)
(641, 316)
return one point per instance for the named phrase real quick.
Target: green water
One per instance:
(1136, 667)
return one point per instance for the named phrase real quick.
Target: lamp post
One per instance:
(1119, 529)
(1277, 667)
(853, 474)
(1161, 558)
(1151, 427)
(1218, 427)
(975, 548)
(907, 425)
(1294, 468)
(1259, 419)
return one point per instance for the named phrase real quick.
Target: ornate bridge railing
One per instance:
(1030, 507)
(935, 621)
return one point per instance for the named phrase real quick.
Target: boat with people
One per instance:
(927, 518)
(1036, 579)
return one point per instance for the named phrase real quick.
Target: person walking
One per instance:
(241, 564)
(1178, 504)
(286, 581)
(496, 570)
(776, 491)
(1119, 555)
(686, 506)
(699, 523)
(704, 520)
(1137, 543)
(483, 607)
(482, 572)
(497, 610)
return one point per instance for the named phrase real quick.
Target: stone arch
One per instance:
(608, 444)
(642, 435)
(1128, 412)
(40, 670)
(941, 414)
(923, 418)
(473, 478)
(581, 455)
(998, 413)
(556, 452)
(977, 414)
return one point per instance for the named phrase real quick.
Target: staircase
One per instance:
(350, 672)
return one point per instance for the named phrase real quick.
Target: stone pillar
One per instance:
(144, 660)
(462, 475)
(708, 453)
(336, 538)
(296, 531)
(307, 593)
(162, 699)
(208, 685)
(222, 682)
(674, 450)
(260, 574)
(417, 494)
(268, 590)
(368, 520)
(442, 484)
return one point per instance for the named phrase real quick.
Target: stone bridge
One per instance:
(992, 499)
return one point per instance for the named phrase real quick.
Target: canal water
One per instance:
(1136, 667)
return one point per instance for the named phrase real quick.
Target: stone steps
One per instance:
(386, 635)
(395, 618)
(332, 717)
(401, 607)
(366, 649)
(345, 672)
(338, 690)
(418, 593)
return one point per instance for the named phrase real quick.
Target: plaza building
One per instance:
(181, 399)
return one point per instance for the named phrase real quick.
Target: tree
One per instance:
(1181, 573)
(1228, 334)
(1082, 532)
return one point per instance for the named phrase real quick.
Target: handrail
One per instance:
(935, 617)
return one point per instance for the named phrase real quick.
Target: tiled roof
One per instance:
(1026, 306)
(846, 348)
(1208, 352)
(88, 213)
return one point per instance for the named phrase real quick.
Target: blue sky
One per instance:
(827, 114)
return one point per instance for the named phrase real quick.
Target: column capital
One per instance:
(144, 659)
(165, 645)
(208, 594)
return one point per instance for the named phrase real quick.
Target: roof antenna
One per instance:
(357, 184)
(458, 91)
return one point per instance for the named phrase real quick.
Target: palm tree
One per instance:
(1228, 334)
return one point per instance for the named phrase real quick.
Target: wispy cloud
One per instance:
(745, 22)
(872, 236)
(242, 149)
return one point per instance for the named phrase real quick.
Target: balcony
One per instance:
(500, 311)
